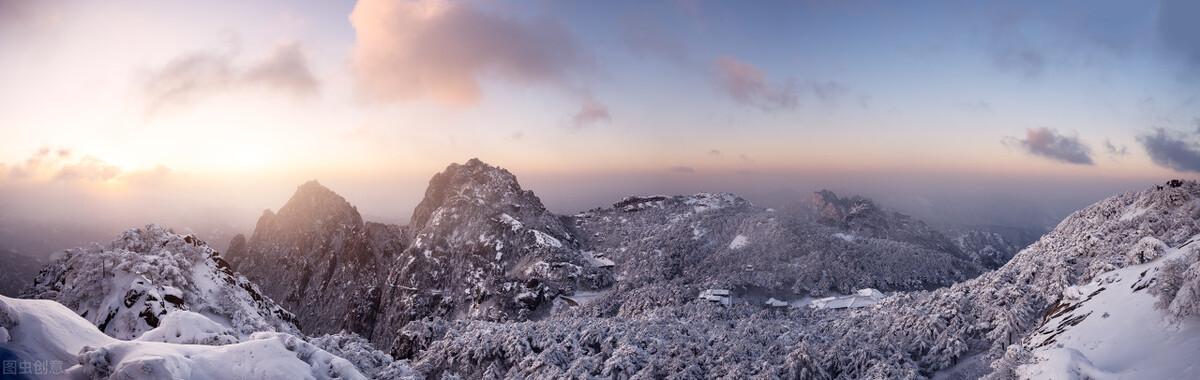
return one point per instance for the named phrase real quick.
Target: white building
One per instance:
(861, 298)
(721, 296)
(776, 303)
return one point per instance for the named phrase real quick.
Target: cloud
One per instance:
(285, 69)
(1178, 28)
(590, 112)
(828, 91)
(682, 169)
(48, 165)
(714, 153)
(748, 85)
(87, 169)
(1170, 151)
(1115, 150)
(440, 49)
(1050, 144)
(31, 166)
(192, 76)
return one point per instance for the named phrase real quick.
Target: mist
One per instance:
(41, 217)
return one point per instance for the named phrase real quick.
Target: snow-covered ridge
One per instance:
(45, 331)
(699, 202)
(1111, 328)
(129, 285)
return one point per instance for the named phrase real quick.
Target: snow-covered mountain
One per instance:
(666, 249)
(156, 304)
(480, 247)
(484, 248)
(129, 285)
(486, 283)
(319, 259)
(993, 326)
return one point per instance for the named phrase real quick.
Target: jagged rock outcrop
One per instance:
(127, 286)
(483, 248)
(320, 260)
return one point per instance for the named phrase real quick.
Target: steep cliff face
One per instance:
(320, 260)
(483, 248)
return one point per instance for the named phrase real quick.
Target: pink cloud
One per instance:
(747, 84)
(441, 50)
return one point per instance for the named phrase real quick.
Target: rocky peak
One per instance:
(314, 203)
(474, 185)
(845, 212)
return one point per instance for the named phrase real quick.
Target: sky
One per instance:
(967, 109)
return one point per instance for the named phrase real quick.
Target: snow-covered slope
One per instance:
(666, 249)
(1111, 328)
(45, 331)
(129, 285)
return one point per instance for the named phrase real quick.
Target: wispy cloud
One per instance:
(64, 165)
(748, 85)
(682, 169)
(1048, 143)
(590, 112)
(1115, 150)
(193, 76)
(1171, 150)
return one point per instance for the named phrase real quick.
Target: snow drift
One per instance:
(46, 331)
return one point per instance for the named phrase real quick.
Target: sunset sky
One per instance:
(239, 102)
